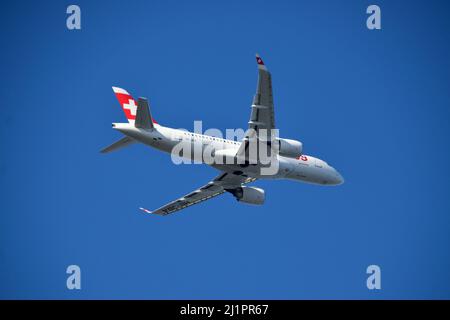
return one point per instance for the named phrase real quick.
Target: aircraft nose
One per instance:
(337, 178)
(340, 178)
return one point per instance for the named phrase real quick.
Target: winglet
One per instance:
(260, 63)
(145, 210)
(152, 212)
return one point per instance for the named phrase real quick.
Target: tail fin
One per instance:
(127, 102)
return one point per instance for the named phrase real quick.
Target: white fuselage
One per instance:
(305, 168)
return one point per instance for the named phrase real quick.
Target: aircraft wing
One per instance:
(216, 187)
(262, 113)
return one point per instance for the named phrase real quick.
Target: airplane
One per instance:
(234, 175)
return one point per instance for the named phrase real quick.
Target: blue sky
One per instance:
(374, 104)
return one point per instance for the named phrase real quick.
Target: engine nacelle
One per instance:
(250, 195)
(290, 148)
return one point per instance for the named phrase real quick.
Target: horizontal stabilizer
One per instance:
(143, 116)
(126, 141)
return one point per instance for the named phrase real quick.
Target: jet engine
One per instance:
(290, 148)
(250, 195)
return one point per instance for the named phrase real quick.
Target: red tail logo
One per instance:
(127, 102)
